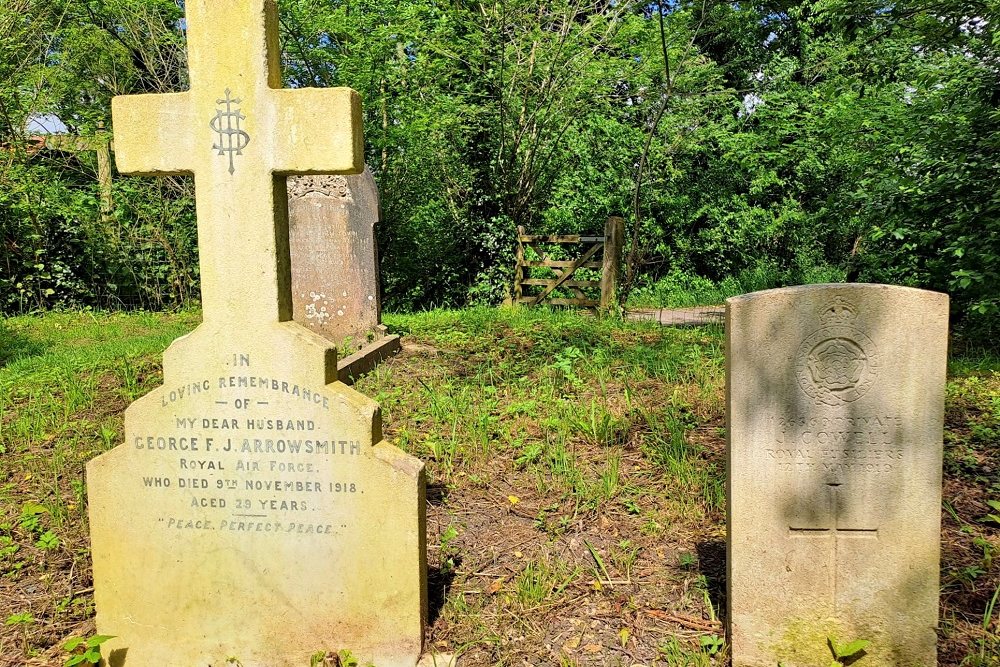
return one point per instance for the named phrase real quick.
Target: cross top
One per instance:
(239, 133)
(833, 520)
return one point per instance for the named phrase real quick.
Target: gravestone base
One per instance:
(366, 359)
(255, 512)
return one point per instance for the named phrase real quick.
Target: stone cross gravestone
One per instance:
(836, 410)
(254, 511)
(335, 280)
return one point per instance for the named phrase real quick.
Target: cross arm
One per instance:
(319, 131)
(154, 133)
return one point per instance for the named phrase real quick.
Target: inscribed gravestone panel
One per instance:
(254, 510)
(335, 281)
(835, 405)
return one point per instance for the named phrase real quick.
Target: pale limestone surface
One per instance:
(335, 279)
(277, 132)
(254, 510)
(836, 408)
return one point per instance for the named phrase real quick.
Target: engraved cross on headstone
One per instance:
(832, 526)
(239, 133)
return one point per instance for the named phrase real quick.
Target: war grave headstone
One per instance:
(836, 410)
(334, 259)
(254, 511)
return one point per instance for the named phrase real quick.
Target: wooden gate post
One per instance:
(102, 145)
(614, 241)
(519, 267)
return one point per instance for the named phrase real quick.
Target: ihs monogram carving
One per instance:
(323, 186)
(226, 124)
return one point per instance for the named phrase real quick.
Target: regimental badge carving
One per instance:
(838, 363)
(232, 138)
(325, 185)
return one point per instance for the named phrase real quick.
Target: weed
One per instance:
(847, 653)
(30, 519)
(598, 426)
(448, 551)
(675, 654)
(711, 644)
(995, 506)
(85, 650)
(632, 506)
(701, 585)
(565, 361)
(47, 541)
(600, 564)
(79, 488)
(988, 653)
(21, 620)
(342, 658)
(624, 557)
(667, 445)
(9, 564)
(529, 455)
(542, 581)
(988, 614)
(608, 483)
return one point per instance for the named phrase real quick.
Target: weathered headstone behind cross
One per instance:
(254, 510)
(335, 281)
(836, 408)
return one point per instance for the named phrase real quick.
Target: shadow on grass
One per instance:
(712, 563)
(437, 493)
(439, 581)
(14, 346)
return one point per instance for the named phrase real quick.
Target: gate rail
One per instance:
(610, 263)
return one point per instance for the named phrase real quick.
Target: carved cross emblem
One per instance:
(832, 528)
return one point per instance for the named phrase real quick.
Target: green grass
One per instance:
(680, 289)
(55, 370)
(65, 380)
(575, 465)
(558, 393)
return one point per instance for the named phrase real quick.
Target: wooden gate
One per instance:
(610, 247)
(100, 143)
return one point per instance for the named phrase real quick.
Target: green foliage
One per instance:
(22, 618)
(848, 652)
(642, 430)
(30, 519)
(47, 541)
(711, 644)
(564, 362)
(675, 654)
(85, 650)
(787, 143)
(62, 61)
(995, 505)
